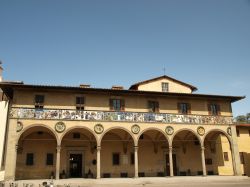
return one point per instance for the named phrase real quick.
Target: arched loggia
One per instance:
(78, 154)
(153, 158)
(36, 153)
(117, 159)
(187, 150)
(219, 159)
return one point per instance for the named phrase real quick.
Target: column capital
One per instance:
(202, 148)
(58, 149)
(136, 148)
(98, 148)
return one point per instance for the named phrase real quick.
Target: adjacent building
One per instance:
(157, 127)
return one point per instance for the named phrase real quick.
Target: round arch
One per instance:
(77, 127)
(229, 139)
(185, 129)
(153, 129)
(116, 128)
(217, 130)
(38, 125)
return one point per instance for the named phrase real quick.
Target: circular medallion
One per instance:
(201, 131)
(135, 129)
(169, 130)
(60, 127)
(98, 128)
(19, 126)
(229, 131)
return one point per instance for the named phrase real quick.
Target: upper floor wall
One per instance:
(132, 103)
(164, 84)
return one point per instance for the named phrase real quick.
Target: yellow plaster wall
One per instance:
(61, 100)
(244, 146)
(156, 86)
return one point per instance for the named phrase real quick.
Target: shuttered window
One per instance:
(153, 106)
(117, 104)
(80, 103)
(242, 160)
(39, 101)
(116, 159)
(213, 109)
(184, 108)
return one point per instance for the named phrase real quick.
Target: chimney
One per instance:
(116, 87)
(84, 85)
(1, 71)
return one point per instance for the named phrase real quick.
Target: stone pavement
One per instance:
(214, 181)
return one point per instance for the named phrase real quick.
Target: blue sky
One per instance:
(111, 42)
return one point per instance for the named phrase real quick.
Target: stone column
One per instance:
(98, 162)
(170, 153)
(136, 161)
(235, 152)
(203, 161)
(58, 156)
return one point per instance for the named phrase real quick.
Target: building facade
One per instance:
(157, 127)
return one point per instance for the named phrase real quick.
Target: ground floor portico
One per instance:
(69, 149)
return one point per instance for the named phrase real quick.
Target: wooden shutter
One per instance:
(111, 107)
(218, 109)
(122, 105)
(179, 108)
(157, 107)
(209, 109)
(150, 106)
(188, 108)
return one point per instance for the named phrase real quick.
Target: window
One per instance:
(242, 160)
(39, 101)
(153, 106)
(117, 104)
(164, 86)
(30, 159)
(184, 108)
(214, 109)
(76, 135)
(116, 159)
(249, 132)
(238, 132)
(225, 154)
(49, 159)
(132, 158)
(209, 161)
(80, 103)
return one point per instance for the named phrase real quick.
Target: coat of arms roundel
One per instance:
(169, 130)
(135, 129)
(201, 131)
(98, 128)
(60, 127)
(229, 131)
(19, 126)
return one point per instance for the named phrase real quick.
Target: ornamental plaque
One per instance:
(60, 127)
(135, 129)
(229, 131)
(169, 130)
(98, 128)
(201, 131)
(19, 126)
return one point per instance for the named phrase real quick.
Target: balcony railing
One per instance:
(85, 115)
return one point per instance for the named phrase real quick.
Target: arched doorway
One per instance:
(78, 154)
(153, 156)
(218, 154)
(187, 148)
(36, 154)
(117, 154)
